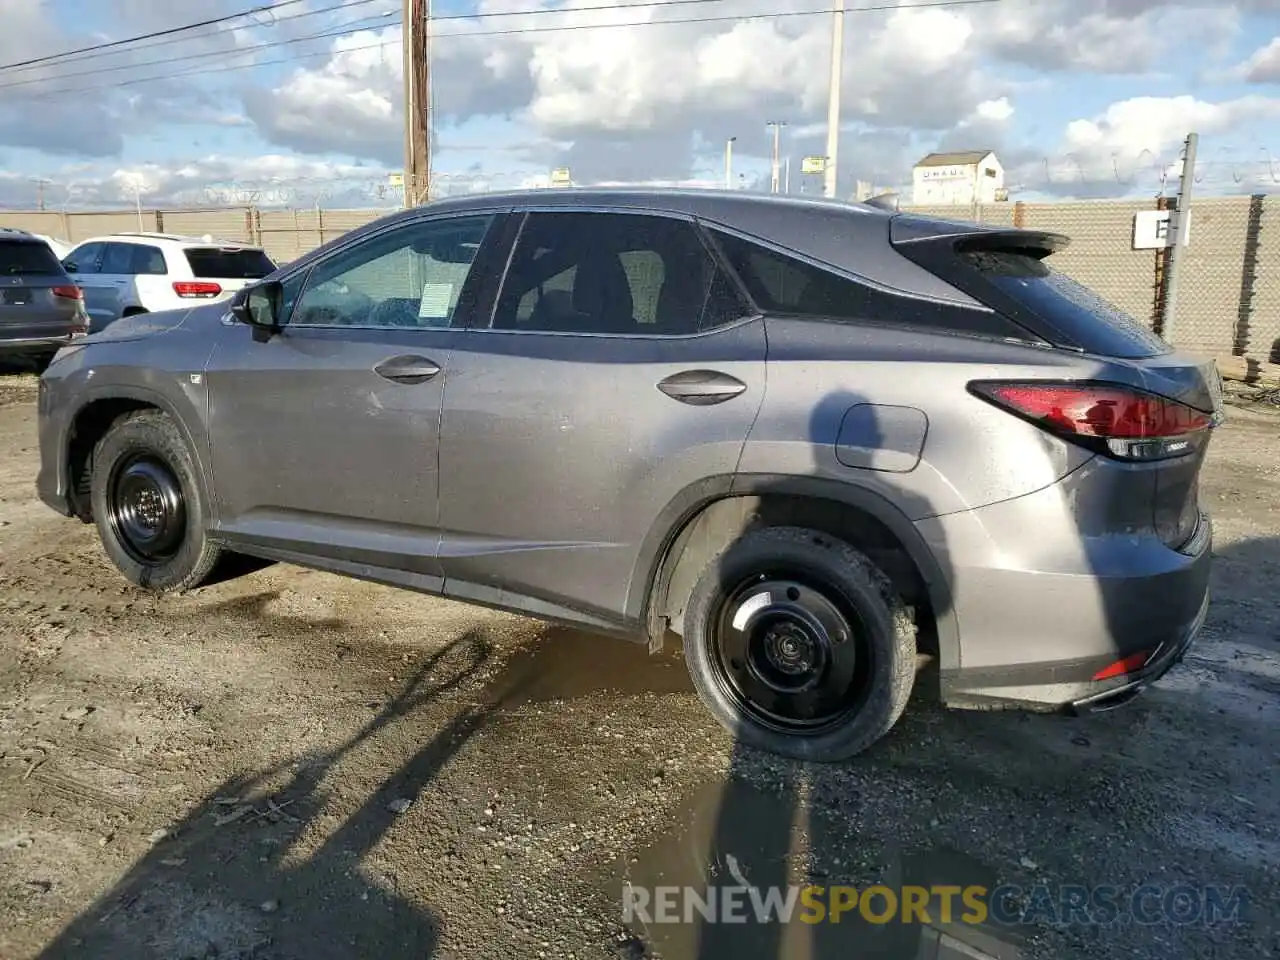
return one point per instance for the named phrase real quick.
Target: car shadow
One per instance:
(206, 891)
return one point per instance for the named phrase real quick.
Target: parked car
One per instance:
(129, 273)
(825, 443)
(41, 309)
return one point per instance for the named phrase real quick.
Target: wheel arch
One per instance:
(706, 516)
(90, 422)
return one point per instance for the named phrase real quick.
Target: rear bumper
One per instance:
(1115, 693)
(1041, 617)
(28, 343)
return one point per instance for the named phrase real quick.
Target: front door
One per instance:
(621, 366)
(325, 437)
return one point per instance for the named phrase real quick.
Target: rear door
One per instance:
(84, 266)
(116, 278)
(620, 366)
(149, 274)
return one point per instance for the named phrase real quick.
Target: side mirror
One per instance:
(259, 307)
(70, 267)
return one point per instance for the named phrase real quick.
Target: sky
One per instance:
(300, 102)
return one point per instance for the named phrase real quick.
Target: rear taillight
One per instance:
(1121, 421)
(68, 293)
(189, 289)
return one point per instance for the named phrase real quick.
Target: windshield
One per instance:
(1098, 325)
(21, 256)
(230, 264)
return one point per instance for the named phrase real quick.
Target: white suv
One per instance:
(127, 273)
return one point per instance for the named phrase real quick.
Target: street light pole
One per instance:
(728, 163)
(833, 100)
(776, 173)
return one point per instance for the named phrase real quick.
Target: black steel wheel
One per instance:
(799, 645)
(147, 500)
(147, 510)
(793, 653)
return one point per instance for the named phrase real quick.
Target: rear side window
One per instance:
(1078, 313)
(785, 285)
(148, 261)
(614, 273)
(228, 264)
(18, 256)
(118, 259)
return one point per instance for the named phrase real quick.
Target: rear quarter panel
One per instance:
(924, 443)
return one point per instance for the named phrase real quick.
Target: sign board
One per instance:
(560, 177)
(813, 165)
(948, 173)
(395, 179)
(1151, 229)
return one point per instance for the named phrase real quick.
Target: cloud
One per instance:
(1264, 65)
(1139, 140)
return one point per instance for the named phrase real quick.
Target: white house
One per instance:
(958, 178)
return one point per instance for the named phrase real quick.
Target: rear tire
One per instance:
(799, 645)
(148, 506)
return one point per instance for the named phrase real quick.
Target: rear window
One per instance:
(19, 256)
(233, 264)
(1074, 310)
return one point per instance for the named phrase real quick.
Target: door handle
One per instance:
(407, 369)
(701, 388)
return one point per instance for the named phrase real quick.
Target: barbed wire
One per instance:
(1069, 174)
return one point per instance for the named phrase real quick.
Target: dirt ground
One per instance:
(293, 765)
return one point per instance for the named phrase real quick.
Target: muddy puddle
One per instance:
(740, 836)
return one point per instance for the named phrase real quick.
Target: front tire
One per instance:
(148, 506)
(799, 644)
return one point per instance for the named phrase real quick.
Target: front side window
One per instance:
(613, 273)
(408, 277)
(85, 258)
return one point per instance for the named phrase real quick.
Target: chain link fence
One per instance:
(1229, 294)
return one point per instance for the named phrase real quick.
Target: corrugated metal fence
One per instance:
(1228, 302)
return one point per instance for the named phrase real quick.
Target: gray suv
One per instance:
(41, 308)
(842, 451)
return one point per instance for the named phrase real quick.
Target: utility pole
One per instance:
(776, 170)
(728, 163)
(417, 101)
(1179, 227)
(833, 100)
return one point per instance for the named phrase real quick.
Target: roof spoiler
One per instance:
(918, 231)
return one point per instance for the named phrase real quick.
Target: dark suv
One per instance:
(822, 441)
(41, 308)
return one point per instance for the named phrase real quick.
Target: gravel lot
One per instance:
(224, 774)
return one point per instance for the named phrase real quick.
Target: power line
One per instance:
(344, 31)
(157, 33)
(341, 6)
(774, 15)
(170, 41)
